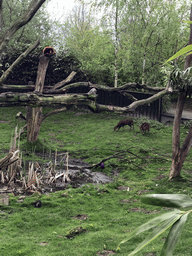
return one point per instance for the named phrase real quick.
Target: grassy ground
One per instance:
(93, 219)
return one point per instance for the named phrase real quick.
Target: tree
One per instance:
(8, 32)
(92, 47)
(34, 115)
(21, 21)
(110, 25)
(150, 32)
(143, 35)
(130, 43)
(184, 82)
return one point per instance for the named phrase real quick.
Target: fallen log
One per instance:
(8, 160)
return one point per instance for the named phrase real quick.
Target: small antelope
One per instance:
(122, 123)
(145, 127)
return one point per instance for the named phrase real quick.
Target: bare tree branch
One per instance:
(138, 103)
(16, 62)
(56, 111)
(115, 155)
(32, 99)
(62, 83)
(110, 108)
(112, 89)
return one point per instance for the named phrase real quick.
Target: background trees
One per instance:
(133, 39)
(152, 29)
(129, 42)
(17, 33)
(91, 46)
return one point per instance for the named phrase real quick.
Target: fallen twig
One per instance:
(112, 156)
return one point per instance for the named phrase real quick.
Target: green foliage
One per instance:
(28, 34)
(39, 26)
(95, 52)
(166, 200)
(149, 28)
(174, 219)
(144, 28)
(176, 78)
(181, 79)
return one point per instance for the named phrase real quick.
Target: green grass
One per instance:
(111, 213)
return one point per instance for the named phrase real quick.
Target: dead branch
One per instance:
(138, 103)
(54, 112)
(112, 89)
(62, 83)
(32, 99)
(113, 156)
(8, 160)
(42, 68)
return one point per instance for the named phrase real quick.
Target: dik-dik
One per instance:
(122, 123)
(145, 127)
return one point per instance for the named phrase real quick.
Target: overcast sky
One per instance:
(60, 8)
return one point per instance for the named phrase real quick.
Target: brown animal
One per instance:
(122, 123)
(145, 127)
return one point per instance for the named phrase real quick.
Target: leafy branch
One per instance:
(175, 220)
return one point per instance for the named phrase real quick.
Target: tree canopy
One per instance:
(147, 33)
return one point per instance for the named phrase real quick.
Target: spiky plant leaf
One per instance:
(156, 232)
(187, 21)
(173, 236)
(167, 200)
(153, 223)
(181, 52)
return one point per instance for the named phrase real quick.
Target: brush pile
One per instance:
(35, 179)
(12, 176)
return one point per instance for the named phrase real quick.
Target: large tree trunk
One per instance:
(177, 158)
(34, 116)
(34, 119)
(179, 154)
